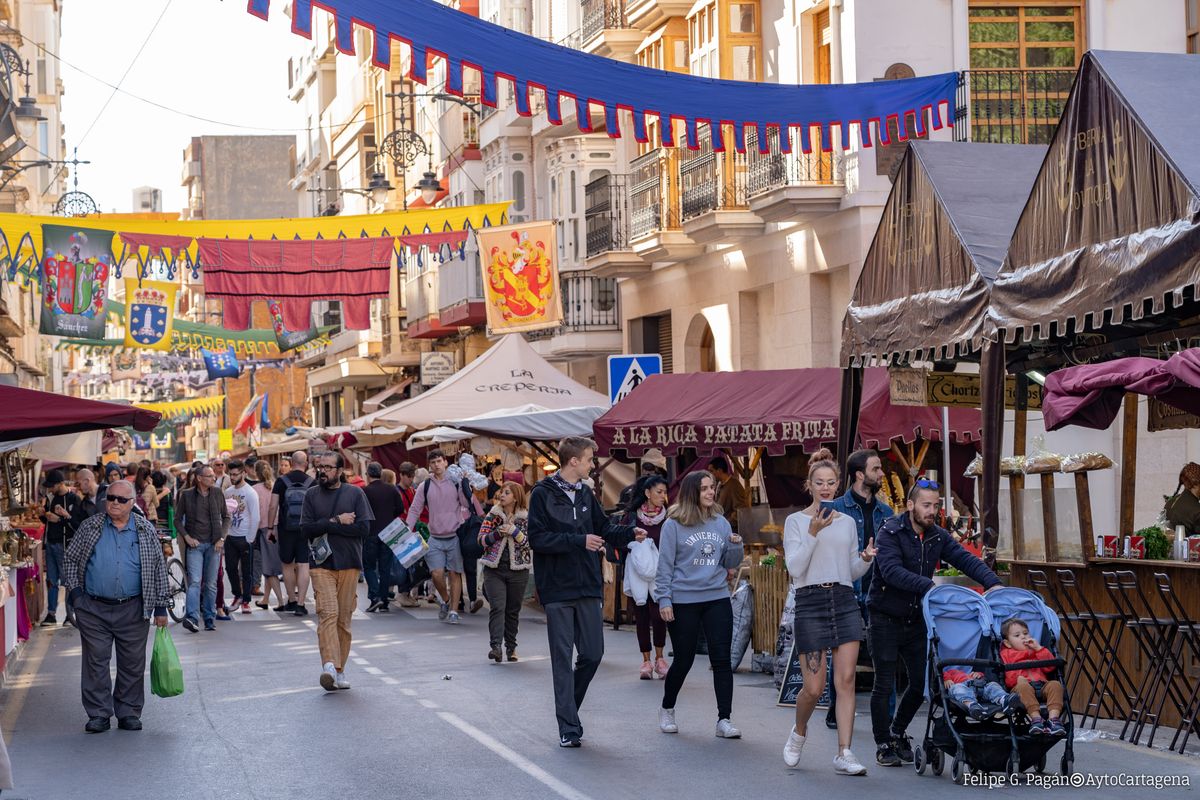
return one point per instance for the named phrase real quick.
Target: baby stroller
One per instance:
(1045, 627)
(961, 628)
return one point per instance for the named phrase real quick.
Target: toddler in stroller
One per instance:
(981, 698)
(1031, 683)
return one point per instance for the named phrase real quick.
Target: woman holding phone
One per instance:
(696, 548)
(820, 548)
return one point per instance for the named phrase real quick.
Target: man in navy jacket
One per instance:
(567, 532)
(908, 549)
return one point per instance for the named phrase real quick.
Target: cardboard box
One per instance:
(1135, 546)
(1194, 548)
(1109, 546)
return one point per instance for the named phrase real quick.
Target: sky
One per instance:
(207, 58)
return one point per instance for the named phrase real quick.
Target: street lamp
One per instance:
(377, 189)
(24, 112)
(429, 187)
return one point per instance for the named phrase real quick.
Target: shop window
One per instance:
(741, 18)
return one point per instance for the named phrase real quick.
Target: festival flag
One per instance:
(265, 422)
(288, 340)
(520, 277)
(249, 417)
(126, 365)
(222, 364)
(75, 273)
(149, 313)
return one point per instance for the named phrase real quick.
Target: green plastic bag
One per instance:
(166, 673)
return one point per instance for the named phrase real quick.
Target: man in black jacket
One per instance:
(568, 531)
(909, 547)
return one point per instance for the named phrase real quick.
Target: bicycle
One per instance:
(176, 580)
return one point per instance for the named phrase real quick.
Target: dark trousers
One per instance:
(256, 568)
(715, 618)
(55, 554)
(649, 621)
(895, 641)
(471, 579)
(574, 625)
(239, 565)
(100, 627)
(504, 589)
(377, 568)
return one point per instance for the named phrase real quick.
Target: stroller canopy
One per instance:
(1008, 602)
(959, 620)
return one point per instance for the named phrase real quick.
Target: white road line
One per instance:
(362, 662)
(427, 703)
(373, 670)
(409, 692)
(519, 761)
(265, 695)
(389, 681)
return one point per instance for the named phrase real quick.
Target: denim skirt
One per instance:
(827, 615)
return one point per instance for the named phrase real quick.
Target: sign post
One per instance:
(626, 373)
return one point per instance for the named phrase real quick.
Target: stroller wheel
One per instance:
(919, 762)
(958, 770)
(1041, 764)
(1067, 765)
(937, 761)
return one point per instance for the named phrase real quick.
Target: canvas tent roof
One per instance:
(941, 240)
(1111, 230)
(29, 413)
(775, 409)
(509, 374)
(532, 422)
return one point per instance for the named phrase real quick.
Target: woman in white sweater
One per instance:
(820, 547)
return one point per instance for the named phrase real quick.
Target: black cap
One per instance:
(54, 477)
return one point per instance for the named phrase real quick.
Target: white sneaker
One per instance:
(793, 748)
(725, 730)
(666, 720)
(342, 682)
(848, 764)
(329, 677)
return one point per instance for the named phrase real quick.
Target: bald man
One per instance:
(288, 495)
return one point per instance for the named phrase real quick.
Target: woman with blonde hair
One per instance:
(696, 549)
(268, 535)
(504, 537)
(820, 547)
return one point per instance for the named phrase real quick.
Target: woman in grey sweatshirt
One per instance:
(696, 549)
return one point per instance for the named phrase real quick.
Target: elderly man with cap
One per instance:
(116, 576)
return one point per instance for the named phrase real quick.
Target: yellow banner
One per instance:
(520, 277)
(225, 438)
(196, 406)
(149, 313)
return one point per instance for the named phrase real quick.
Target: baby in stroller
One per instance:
(981, 698)
(1031, 683)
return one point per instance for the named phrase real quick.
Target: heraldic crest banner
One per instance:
(520, 277)
(75, 272)
(149, 313)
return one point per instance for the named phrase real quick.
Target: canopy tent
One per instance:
(1091, 395)
(510, 374)
(29, 413)
(438, 435)
(925, 284)
(775, 409)
(1111, 231)
(532, 422)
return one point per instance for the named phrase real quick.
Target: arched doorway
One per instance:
(700, 347)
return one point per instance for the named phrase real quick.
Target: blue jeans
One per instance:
(202, 559)
(54, 561)
(377, 568)
(966, 693)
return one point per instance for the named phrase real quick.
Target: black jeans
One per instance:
(895, 641)
(239, 565)
(377, 568)
(715, 618)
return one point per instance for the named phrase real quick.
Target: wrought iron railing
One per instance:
(606, 214)
(709, 180)
(650, 178)
(589, 304)
(775, 169)
(1011, 106)
(602, 15)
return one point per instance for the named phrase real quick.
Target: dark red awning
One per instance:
(28, 413)
(775, 409)
(1090, 395)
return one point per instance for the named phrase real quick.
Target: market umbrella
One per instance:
(29, 413)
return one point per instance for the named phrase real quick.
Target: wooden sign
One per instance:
(955, 389)
(1163, 417)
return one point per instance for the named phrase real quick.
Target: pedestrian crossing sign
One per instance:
(626, 373)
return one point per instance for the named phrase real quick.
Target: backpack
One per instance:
(293, 502)
(468, 532)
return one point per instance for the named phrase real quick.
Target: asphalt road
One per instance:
(429, 717)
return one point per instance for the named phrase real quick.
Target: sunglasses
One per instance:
(924, 484)
(119, 500)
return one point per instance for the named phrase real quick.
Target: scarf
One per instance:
(562, 483)
(646, 516)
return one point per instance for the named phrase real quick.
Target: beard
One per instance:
(325, 480)
(872, 486)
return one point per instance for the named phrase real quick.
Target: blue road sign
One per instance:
(626, 373)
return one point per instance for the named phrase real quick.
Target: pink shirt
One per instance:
(447, 507)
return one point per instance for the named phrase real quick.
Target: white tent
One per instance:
(509, 375)
(439, 435)
(532, 422)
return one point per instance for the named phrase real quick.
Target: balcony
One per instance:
(654, 232)
(421, 298)
(606, 212)
(713, 194)
(591, 320)
(606, 31)
(791, 186)
(1011, 106)
(646, 15)
(460, 292)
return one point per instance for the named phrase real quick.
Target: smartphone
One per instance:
(828, 505)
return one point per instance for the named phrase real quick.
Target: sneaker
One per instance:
(329, 677)
(189, 625)
(1054, 728)
(846, 763)
(375, 604)
(443, 610)
(725, 730)
(647, 671)
(475, 606)
(793, 748)
(210, 625)
(978, 711)
(285, 607)
(300, 611)
(341, 682)
(886, 755)
(1037, 727)
(245, 608)
(661, 667)
(904, 747)
(666, 720)
(50, 619)
(1012, 703)
(569, 741)
(383, 609)
(452, 618)
(408, 602)
(831, 720)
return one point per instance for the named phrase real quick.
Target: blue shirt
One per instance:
(115, 569)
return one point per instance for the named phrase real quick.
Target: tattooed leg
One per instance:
(812, 666)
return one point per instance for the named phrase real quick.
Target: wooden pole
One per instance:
(1049, 518)
(1016, 483)
(1128, 462)
(1083, 498)
(992, 372)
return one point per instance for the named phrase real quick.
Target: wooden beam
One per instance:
(991, 375)
(1083, 500)
(1129, 431)
(1016, 483)
(1049, 518)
